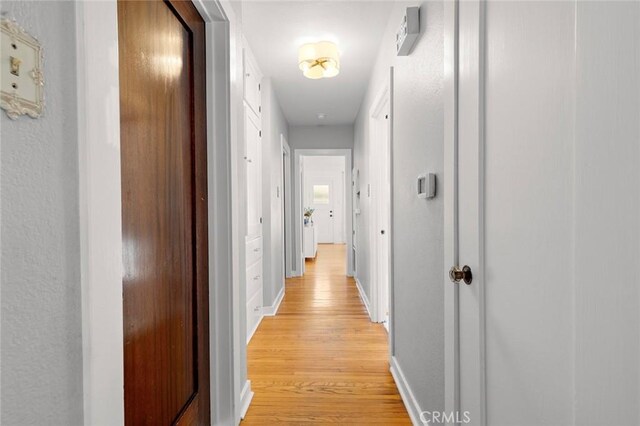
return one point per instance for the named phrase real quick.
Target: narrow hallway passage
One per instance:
(320, 359)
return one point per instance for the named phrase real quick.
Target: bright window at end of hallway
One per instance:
(320, 194)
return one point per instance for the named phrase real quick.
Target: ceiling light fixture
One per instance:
(319, 60)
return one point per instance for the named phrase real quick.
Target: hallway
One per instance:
(320, 358)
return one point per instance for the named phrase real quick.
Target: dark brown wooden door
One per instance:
(164, 213)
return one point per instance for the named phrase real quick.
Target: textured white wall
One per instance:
(607, 214)
(41, 309)
(418, 223)
(321, 137)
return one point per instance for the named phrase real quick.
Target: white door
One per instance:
(514, 212)
(253, 160)
(383, 201)
(252, 83)
(321, 198)
(543, 206)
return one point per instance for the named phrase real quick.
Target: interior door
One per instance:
(164, 213)
(383, 202)
(253, 158)
(321, 197)
(512, 207)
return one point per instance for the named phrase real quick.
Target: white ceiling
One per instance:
(275, 30)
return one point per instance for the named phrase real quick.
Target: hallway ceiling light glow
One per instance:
(319, 60)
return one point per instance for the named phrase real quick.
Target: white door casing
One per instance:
(286, 194)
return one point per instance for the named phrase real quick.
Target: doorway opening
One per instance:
(323, 203)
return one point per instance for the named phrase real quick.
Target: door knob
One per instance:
(456, 274)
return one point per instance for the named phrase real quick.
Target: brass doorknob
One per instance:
(456, 274)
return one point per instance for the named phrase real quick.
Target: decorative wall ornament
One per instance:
(22, 81)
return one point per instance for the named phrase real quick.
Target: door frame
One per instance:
(382, 98)
(473, 75)
(297, 222)
(450, 91)
(100, 211)
(285, 185)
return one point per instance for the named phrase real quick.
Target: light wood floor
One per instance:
(320, 360)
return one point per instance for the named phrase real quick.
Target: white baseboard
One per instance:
(245, 398)
(253, 331)
(410, 402)
(364, 298)
(270, 311)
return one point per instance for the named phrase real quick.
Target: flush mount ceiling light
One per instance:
(319, 60)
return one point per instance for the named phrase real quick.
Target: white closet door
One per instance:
(252, 80)
(253, 154)
(514, 198)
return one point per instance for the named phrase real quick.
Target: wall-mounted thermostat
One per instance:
(426, 187)
(408, 32)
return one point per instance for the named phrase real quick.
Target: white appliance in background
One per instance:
(310, 241)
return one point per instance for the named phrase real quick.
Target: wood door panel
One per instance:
(163, 160)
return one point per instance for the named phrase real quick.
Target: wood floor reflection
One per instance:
(320, 360)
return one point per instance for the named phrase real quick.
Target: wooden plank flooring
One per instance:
(320, 360)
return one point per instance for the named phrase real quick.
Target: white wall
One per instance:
(41, 307)
(321, 137)
(417, 228)
(274, 124)
(607, 214)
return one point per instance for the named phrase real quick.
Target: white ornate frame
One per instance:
(14, 105)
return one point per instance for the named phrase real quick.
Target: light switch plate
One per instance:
(21, 75)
